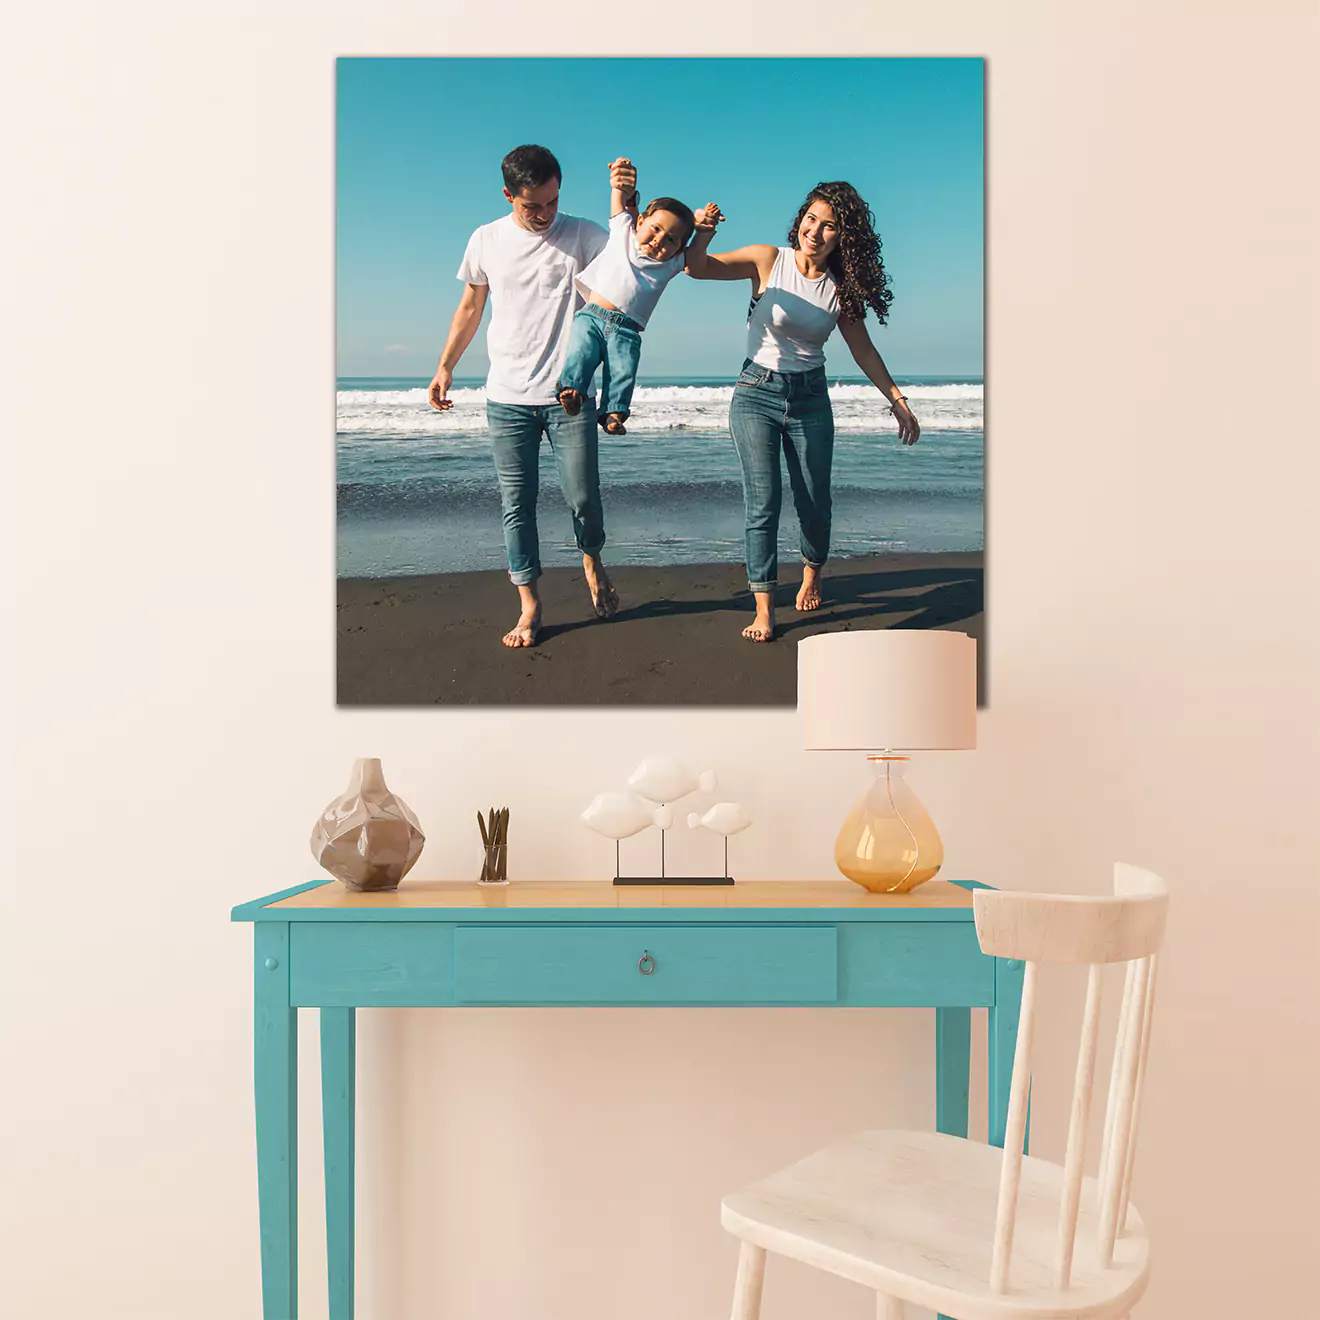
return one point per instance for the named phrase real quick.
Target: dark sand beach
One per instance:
(435, 639)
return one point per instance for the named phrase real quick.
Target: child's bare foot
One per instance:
(613, 423)
(762, 627)
(808, 597)
(524, 632)
(604, 599)
(572, 401)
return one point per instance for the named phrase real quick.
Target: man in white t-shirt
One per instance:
(525, 263)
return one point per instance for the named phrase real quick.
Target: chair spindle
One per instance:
(1014, 1135)
(1075, 1158)
(1116, 1160)
(1141, 1087)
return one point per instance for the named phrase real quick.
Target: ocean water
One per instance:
(417, 490)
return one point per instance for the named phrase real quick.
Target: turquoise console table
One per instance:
(454, 945)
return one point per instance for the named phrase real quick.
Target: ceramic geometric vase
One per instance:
(367, 837)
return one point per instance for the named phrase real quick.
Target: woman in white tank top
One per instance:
(829, 274)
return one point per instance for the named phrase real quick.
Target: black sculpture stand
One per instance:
(663, 879)
(673, 880)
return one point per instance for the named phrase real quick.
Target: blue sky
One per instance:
(419, 149)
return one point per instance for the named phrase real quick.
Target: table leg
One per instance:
(953, 1062)
(1003, 1027)
(276, 1073)
(338, 1095)
(953, 1054)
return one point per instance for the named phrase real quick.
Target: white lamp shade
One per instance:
(888, 689)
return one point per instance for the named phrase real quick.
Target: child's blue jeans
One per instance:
(611, 341)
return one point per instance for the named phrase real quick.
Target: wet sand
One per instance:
(435, 639)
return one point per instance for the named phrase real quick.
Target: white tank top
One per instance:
(787, 326)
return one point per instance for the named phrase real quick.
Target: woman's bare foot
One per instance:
(524, 632)
(613, 424)
(572, 401)
(808, 597)
(762, 627)
(604, 599)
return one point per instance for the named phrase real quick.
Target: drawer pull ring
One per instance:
(646, 964)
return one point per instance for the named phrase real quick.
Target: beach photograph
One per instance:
(750, 460)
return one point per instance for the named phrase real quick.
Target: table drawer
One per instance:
(687, 965)
(371, 964)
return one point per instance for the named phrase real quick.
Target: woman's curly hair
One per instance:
(855, 262)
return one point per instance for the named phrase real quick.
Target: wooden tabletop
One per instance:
(935, 894)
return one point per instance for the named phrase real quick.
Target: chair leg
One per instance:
(747, 1286)
(887, 1307)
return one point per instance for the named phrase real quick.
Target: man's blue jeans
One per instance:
(515, 441)
(611, 341)
(788, 412)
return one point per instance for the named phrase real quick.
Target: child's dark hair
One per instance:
(674, 207)
(529, 167)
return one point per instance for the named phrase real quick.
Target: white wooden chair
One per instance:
(967, 1229)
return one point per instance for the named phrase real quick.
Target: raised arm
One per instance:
(464, 325)
(867, 356)
(623, 187)
(754, 262)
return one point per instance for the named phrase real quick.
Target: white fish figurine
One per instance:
(723, 818)
(664, 779)
(619, 815)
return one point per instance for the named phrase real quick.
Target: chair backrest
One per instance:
(1056, 928)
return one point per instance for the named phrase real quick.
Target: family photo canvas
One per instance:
(649, 368)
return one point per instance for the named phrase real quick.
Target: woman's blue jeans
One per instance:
(786, 412)
(611, 341)
(515, 441)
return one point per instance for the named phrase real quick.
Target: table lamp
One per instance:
(888, 691)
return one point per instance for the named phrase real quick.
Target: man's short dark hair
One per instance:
(529, 167)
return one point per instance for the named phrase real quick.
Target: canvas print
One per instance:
(649, 368)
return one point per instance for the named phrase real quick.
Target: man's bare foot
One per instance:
(604, 599)
(761, 628)
(808, 597)
(523, 633)
(613, 424)
(572, 401)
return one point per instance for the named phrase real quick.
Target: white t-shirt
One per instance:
(790, 322)
(532, 300)
(623, 276)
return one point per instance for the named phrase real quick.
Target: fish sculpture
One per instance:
(723, 818)
(620, 815)
(664, 779)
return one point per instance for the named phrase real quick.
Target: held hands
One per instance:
(437, 393)
(909, 429)
(708, 217)
(623, 179)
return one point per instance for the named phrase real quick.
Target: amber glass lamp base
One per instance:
(889, 843)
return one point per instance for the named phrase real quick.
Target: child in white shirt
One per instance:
(622, 286)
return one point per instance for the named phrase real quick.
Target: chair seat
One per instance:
(912, 1214)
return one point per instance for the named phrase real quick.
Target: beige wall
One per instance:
(1153, 585)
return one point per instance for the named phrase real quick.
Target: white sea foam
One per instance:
(401, 413)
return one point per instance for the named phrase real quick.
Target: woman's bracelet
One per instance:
(898, 398)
